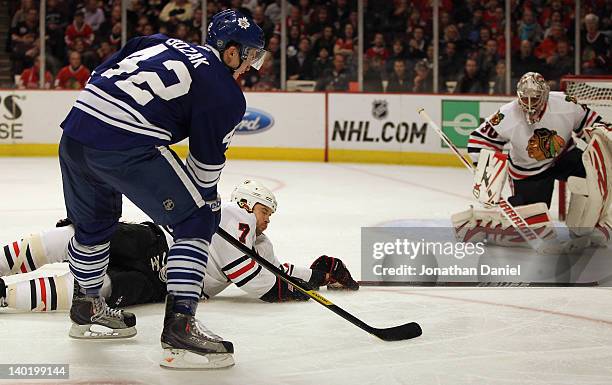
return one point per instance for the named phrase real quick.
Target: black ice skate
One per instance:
(92, 318)
(3, 301)
(190, 345)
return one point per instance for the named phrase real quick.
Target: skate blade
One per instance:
(99, 332)
(184, 359)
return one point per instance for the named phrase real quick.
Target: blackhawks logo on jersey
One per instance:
(497, 118)
(571, 99)
(544, 144)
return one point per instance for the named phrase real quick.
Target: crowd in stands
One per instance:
(322, 40)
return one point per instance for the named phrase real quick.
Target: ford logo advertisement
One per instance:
(254, 121)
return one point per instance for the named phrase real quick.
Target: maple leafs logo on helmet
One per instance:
(243, 23)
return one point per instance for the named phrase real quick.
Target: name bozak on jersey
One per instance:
(159, 91)
(533, 148)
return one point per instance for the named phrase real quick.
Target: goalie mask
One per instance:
(532, 91)
(251, 192)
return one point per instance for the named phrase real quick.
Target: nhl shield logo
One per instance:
(168, 204)
(380, 109)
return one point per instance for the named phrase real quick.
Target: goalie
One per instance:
(541, 129)
(138, 253)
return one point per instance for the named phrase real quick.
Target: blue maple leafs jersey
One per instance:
(158, 91)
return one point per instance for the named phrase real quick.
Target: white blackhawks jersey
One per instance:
(227, 265)
(532, 148)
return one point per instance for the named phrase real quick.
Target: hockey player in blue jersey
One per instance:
(154, 92)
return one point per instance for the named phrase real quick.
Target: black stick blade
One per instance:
(398, 333)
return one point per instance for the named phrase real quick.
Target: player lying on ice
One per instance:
(136, 273)
(543, 131)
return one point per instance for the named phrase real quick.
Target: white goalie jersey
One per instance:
(533, 148)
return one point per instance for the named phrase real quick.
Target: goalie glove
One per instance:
(337, 276)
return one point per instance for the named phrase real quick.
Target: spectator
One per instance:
(341, 12)
(74, 75)
(115, 36)
(488, 59)
(595, 48)
(497, 22)
(528, 28)
(56, 21)
(88, 57)
(181, 31)
(398, 15)
(24, 43)
(414, 21)
(326, 40)
(262, 21)
(372, 74)
(560, 63)
(423, 80)
(525, 61)
(378, 48)
(307, 11)
(471, 30)
(30, 77)
(344, 45)
(79, 30)
(451, 34)
(115, 17)
(321, 22)
(417, 44)
(499, 87)
(450, 63)
(335, 78)
(471, 82)
(300, 66)
(273, 11)
(20, 15)
(294, 19)
(105, 51)
(322, 63)
(548, 46)
(175, 11)
(93, 15)
(293, 40)
(399, 79)
(397, 53)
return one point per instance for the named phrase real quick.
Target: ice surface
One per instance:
(471, 335)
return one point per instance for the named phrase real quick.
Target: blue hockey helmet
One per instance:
(233, 26)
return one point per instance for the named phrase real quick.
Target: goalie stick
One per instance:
(478, 284)
(518, 222)
(396, 333)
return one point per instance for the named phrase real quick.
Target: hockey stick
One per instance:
(477, 284)
(518, 222)
(396, 333)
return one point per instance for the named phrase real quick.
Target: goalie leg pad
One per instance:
(490, 175)
(590, 197)
(490, 226)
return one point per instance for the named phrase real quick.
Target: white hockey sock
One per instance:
(41, 294)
